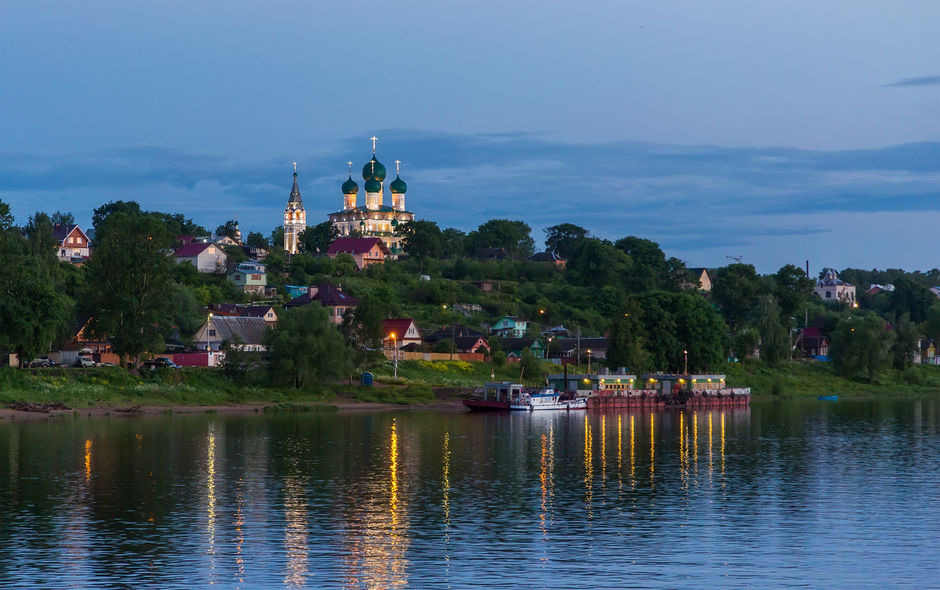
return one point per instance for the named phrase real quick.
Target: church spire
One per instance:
(295, 191)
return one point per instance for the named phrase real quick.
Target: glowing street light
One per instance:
(394, 355)
(685, 353)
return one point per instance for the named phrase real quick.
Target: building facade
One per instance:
(373, 219)
(831, 288)
(295, 218)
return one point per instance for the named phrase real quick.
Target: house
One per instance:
(513, 347)
(572, 349)
(405, 332)
(451, 332)
(248, 332)
(205, 256)
(365, 251)
(875, 289)
(471, 344)
(510, 327)
(927, 352)
(235, 310)
(935, 291)
(813, 344)
(333, 298)
(294, 291)
(549, 257)
(254, 252)
(831, 288)
(486, 286)
(250, 276)
(73, 242)
(701, 280)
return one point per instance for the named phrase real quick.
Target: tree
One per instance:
(774, 339)
(860, 345)
(258, 240)
(305, 348)
(911, 298)
(34, 309)
(904, 346)
(6, 218)
(229, 229)
(932, 323)
(626, 344)
(514, 236)
(452, 243)
(63, 218)
(421, 239)
(101, 213)
(317, 239)
(529, 366)
(791, 288)
(597, 263)
(735, 290)
(650, 270)
(745, 342)
(562, 239)
(128, 277)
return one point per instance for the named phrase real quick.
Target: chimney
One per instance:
(312, 291)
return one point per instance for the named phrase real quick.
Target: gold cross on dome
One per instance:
(374, 139)
(397, 166)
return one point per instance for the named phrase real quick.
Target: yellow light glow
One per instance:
(87, 459)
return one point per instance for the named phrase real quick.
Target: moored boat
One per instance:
(546, 399)
(495, 397)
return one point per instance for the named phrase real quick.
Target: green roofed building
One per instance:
(373, 219)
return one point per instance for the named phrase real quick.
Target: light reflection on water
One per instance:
(798, 494)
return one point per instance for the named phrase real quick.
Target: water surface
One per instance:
(797, 494)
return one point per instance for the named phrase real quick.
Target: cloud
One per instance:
(918, 81)
(697, 201)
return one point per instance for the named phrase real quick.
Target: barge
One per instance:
(619, 390)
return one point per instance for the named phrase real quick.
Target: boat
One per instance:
(828, 398)
(546, 399)
(495, 397)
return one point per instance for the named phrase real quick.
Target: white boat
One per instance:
(546, 399)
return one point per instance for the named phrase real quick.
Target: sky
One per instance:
(774, 132)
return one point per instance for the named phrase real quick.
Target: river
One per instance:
(788, 494)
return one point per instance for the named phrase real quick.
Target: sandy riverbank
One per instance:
(337, 405)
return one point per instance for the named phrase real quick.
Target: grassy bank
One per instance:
(810, 379)
(114, 386)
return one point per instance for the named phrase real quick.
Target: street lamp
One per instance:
(394, 355)
(685, 353)
(208, 345)
(589, 361)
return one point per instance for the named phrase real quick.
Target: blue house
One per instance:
(510, 327)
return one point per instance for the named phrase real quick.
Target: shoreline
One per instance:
(341, 406)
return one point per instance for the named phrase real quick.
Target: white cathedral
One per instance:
(372, 219)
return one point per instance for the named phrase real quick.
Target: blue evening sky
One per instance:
(774, 131)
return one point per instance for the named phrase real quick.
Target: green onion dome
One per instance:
(373, 169)
(350, 187)
(373, 186)
(398, 185)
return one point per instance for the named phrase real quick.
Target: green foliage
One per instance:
(650, 270)
(228, 229)
(745, 342)
(910, 298)
(421, 239)
(625, 348)
(774, 339)
(860, 345)
(63, 218)
(35, 310)
(563, 239)
(453, 243)
(6, 218)
(597, 263)
(514, 236)
(735, 289)
(932, 323)
(258, 240)
(317, 239)
(530, 367)
(791, 287)
(128, 278)
(305, 348)
(904, 346)
(677, 322)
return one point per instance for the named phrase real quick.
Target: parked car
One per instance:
(83, 361)
(43, 362)
(159, 362)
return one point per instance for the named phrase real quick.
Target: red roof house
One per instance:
(365, 251)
